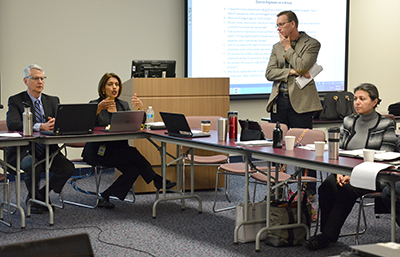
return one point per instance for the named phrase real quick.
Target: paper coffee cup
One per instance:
(368, 155)
(319, 148)
(289, 142)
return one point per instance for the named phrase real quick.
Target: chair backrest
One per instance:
(195, 121)
(3, 125)
(390, 116)
(309, 137)
(268, 127)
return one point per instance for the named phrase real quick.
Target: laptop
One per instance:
(74, 119)
(178, 126)
(126, 121)
(253, 125)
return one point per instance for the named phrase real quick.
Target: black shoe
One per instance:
(169, 184)
(44, 208)
(317, 242)
(35, 208)
(103, 203)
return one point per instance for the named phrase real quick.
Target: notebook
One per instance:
(178, 126)
(73, 119)
(126, 121)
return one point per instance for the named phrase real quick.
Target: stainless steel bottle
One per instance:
(27, 121)
(333, 140)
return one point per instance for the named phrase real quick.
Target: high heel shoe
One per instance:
(168, 185)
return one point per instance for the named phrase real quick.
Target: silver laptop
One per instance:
(126, 121)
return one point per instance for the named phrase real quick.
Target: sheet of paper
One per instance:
(10, 134)
(379, 155)
(302, 81)
(312, 147)
(364, 174)
(255, 143)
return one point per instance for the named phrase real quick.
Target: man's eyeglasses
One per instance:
(37, 78)
(280, 25)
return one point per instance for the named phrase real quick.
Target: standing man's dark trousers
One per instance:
(285, 114)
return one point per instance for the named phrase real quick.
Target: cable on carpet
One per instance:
(83, 227)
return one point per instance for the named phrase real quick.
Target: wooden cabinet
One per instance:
(190, 96)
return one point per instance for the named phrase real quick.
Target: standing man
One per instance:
(43, 109)
(292, 56)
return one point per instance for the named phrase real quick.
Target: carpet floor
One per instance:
(130, 230)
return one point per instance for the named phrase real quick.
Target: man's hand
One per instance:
(293, 72)
(307, 75)
(49, 125)
(285, 41)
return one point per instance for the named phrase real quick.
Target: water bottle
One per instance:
(233, 119)
(333, 143)
(150, 115)
(27, 120)
(277, 136)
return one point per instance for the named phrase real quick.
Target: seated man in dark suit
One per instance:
(43, 119)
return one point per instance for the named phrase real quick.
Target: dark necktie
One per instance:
(38, 119)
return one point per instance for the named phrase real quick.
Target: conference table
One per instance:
(307, 159)
(5, 142)
(99, 135)
(298, 158)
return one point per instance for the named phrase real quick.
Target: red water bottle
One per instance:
(233, 123)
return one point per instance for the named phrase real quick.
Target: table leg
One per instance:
(18, 188)
(164, 174)
(393, 209)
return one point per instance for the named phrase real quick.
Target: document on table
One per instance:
(364, 174)
(10, 134)
(379, 155)
(312, 147)
(302, 81)
(155, 125)
(255, 143)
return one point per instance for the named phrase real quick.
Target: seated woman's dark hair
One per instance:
(371, 90)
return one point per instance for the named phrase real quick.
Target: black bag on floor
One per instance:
(394, 109)
(337, 105)
(283, 213)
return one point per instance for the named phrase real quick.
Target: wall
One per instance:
(77, 41)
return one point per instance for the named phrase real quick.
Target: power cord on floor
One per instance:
(73, 183)
(83, 227)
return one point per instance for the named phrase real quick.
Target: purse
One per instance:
(251, 130)
(256, 211)
(337, 105)
(283, 213)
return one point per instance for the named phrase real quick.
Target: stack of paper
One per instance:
(312, 147)
(379, 155)
(255, 143)
(302, 81)
(10, 134)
